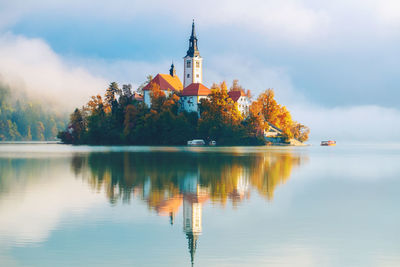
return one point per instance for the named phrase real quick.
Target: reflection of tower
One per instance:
(193, 197)
(191, 215)
(191, 223)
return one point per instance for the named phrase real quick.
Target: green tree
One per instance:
(39, 131)
(29, 134)
(129, 122)
(110, 96)
(76, 126)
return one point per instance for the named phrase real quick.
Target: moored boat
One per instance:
(212, 143)
(196, 142)
(328, 143)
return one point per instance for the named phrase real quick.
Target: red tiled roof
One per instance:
(235, 95)
(169, 205)
(196, 89)
(166, 82)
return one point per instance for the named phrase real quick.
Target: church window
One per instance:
(197, 75)
(197, 64)
(188, 64)
(188, 75)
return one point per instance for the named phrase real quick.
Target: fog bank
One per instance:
(31, 66)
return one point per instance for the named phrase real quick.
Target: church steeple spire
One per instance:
(193, 31)
(193, 50)
(193, 63)
(192, 245)
(172, 70)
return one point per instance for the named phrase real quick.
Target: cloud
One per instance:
(252, 74)
(125, 71)
(295, 21)
(289, 20)
(286, 20)
(388, 12)
(31, 65)
(352, 124)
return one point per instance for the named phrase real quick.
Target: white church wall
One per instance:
(187, 71)
(189, 103)
(197, 70)
(146, 98)
(192, 70)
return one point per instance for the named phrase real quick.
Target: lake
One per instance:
(62, 205)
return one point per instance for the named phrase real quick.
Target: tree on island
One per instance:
(221, 120)
(121, 119)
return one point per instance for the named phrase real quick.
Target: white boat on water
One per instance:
(328, 143)
(196, 142)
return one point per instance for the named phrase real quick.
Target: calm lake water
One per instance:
(176, 206)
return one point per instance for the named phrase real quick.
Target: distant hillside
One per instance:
(25, 120)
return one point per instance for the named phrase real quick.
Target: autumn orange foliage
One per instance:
(278, 116)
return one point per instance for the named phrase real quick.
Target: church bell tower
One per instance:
(193, 62)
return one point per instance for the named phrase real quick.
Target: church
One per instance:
(192, 90)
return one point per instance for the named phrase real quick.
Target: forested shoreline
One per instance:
(27, 120)
(119, 119)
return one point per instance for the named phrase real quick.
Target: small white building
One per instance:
(242, 101)
(191, 96)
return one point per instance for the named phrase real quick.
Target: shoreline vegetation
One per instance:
(23, 119)
(119, 118)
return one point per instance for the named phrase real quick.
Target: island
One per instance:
(163, 111)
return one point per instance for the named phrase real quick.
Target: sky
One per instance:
(334, 64)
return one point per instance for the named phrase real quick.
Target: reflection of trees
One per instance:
(17, 172)
(263, 172)
(167, 181)
(158, 177)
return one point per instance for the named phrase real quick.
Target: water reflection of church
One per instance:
(192, 195)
